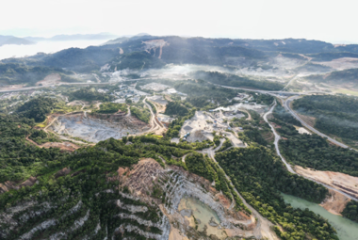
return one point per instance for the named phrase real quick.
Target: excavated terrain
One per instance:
(170, 189)
(340, 181)
(98, 127)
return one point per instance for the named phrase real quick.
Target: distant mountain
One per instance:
(144, 51)
(4, 40)
(76, 37)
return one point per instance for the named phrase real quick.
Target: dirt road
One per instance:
(156, 127)
(277, 139)
(293, 113)
(263, 227)
(288, 166)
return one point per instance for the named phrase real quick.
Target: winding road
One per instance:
(288, 166)
(277, 139)
(263, 227)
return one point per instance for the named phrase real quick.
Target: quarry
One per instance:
(157, 138)
(97, 127)
(193, 208)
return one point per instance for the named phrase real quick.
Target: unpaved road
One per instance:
(263, 227)
(293, 113)
(286, 104)
(155, 126)
(289, 168)
(277, 139)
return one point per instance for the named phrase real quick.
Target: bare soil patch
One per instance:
(66, 146)
(340, 181)
(50, 80)
(335, 203)
(341, 63)
(308, 119)
(140, 180)
(98, 127)
(157, 87)
(12, 87)
(9, 185)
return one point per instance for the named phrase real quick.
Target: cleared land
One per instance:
(341, 181)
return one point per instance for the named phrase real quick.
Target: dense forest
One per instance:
(260, 177)
(351, 211)
(137, 60)
(283, 116)
(108, 108)
(236, 81)
(334, 114)
(176, 108)
(37, 108)
(315, 152)
(19, 159)
(312, 150)
(142, 114)
(202, 94)
(14, 73)
(86, 185)
(89, 94)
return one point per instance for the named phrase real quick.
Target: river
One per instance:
(346, 229)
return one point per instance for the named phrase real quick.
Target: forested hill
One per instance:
(335, 115)
(153, 52)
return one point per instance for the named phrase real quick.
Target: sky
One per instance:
(327, 20)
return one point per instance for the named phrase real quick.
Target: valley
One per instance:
(138, 140)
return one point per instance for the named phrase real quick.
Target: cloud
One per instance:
(319, 19)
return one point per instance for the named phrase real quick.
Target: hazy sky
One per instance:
(329, 20)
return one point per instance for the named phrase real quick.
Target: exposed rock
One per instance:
(62, 172)
(8, 185)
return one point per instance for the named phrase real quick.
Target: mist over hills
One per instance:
(259, 60)
(5, 40)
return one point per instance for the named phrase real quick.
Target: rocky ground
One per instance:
(166, 187)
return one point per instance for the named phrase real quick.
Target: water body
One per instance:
(203, 213)
(346, 229)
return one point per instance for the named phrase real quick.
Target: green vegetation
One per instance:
(89, 94)
(236, 81)
(175, 126)
(334, 114)
(313, 151)
(313, 67)
(176, 108)
(142, 114)
(260, 98)
(42, 137)
(198, 164)
(226, 144)
(154, 109)
(138, 60)
(202, 94)
(86, 183)
(19, 159)
(37, 108)
(255, 135)
(14, 73)
(70, 79)
(260, 177)
(80, 60)
(329, 56)
(108, 108)
(282, 116)
(351, 211)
